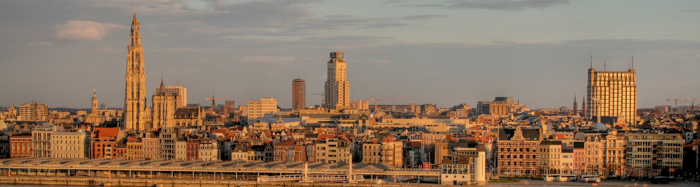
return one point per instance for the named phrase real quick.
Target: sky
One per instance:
(440, 52)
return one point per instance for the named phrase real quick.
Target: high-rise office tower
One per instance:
(179, 91)
(337, 89)
(135, 109)
(614, 93)
(298, 94)
(258, 109)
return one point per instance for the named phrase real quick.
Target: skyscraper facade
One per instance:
(614, 93)
(179, 91)
(258, 109)
(337, 89)
(135, 108)
(298, 94)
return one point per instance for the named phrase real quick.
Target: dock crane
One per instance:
(213, 99)
(681, 100)
(375, 99)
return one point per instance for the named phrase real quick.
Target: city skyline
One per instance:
(91, 49)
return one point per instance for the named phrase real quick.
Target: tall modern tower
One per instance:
(298, 94)
(135, 112)
(337, 90)
(614, 93)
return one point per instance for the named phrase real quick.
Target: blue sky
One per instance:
(443, 52)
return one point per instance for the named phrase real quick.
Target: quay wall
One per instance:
(84, 181)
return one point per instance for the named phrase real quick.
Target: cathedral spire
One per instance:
(575, 106)
(162, 85)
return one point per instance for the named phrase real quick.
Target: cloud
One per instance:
(691, 11)
(266, 59)
(500, 4)
(41, 43)
(84, 30)
(422, 17)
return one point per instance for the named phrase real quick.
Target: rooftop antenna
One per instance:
(632, 60)
(177, 81)
(605, 65)
(591, 59)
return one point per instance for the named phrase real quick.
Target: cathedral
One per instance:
(164, 105)
(169, 107)
(136, 110)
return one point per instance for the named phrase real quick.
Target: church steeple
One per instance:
(575, 106)
(161, 89)
(135, 113)
(94, 100)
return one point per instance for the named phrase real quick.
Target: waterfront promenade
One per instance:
(177, 169)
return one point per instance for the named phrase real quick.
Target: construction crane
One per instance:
(212, 99)
(681, 100)
(323, 97)
(378, 99)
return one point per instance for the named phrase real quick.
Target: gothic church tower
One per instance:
(135, 113)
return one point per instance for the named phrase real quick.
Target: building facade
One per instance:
(70, 144)
(615, 154)
(135, 106)
(516, 153)
(332, 150)
(371, 153)
(464, 166)
(298, 94)
(550, 157)
(33, 112)
(594, 147)
(649, 154)
(103, 139)
(613, 93)
(258, 109)
(392, 153)
(41, 140)
(208, 150)
(151, 146)
(177, 90)
(337, 89)
(134, 148)
(20, 146)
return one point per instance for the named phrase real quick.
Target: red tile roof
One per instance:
(105, 132)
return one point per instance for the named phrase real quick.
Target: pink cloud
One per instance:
(84, 30)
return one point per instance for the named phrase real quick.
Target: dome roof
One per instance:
(600, 127)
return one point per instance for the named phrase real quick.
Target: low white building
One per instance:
(465, 166)
(70, 144)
